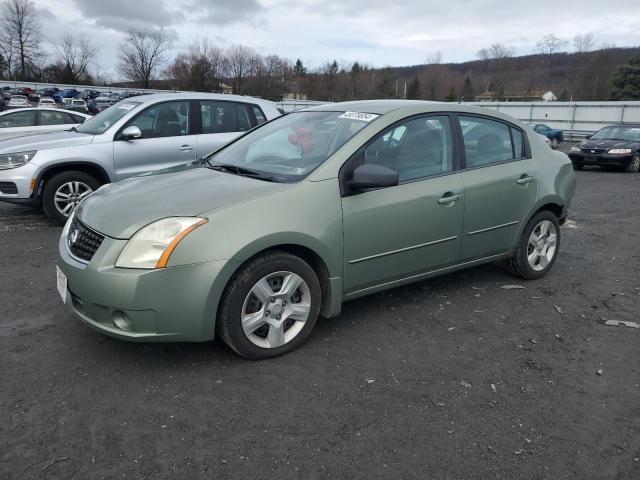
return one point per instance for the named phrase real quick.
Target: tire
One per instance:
(66, 183)
(519, 263)
(554, 143)
(247, 295)
(634, 165)
(578, 166)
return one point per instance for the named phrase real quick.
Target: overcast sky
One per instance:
(378, 32)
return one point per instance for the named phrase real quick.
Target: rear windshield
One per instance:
(105, 119)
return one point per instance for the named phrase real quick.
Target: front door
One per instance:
(500, 182)
(414, 227)
(166, 141)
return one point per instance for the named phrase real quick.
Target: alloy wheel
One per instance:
(275, 310)
(69, 194)
(542, 245)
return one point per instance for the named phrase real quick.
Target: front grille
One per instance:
(8, 187)
(83, 242)
(594, 151)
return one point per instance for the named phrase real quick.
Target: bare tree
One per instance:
(550, 44)
(200, 68)
(76, 53)
(240, 62)
(21, 33)
(495, 51)
(433, 58)
(584, 42)
(142, 55)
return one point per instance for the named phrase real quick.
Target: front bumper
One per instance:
(15, 184)
(171, 304)
(584, 158)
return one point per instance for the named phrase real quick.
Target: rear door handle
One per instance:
(186, 148)
(525, 179)
(449, 198)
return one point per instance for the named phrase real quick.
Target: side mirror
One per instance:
(372, 176)
(131, 132)
(587, 137)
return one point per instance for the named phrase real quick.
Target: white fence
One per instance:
(62, 86)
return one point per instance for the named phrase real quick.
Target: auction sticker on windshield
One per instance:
(61, 283)
(363, 117)
(127, 106)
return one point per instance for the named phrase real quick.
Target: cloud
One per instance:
(224, 12)
(123, 15)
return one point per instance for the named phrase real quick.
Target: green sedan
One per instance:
(257, 240)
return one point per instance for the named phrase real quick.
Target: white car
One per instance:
(28, 121)
(76, 104)
(47, 102)
(19, 101)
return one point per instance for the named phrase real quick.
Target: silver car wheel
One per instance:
(542, 245)
(68, 195)
(275, 310)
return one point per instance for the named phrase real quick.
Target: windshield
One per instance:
(105, 119)
(618, 132)
(290, 147)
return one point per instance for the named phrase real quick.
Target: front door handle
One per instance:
(186, 148)
(523, 180)
(449, 198)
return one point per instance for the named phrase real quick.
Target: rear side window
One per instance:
(222, 117)
(48, 117)
(18, 119)
(486, 141)
(257, 111)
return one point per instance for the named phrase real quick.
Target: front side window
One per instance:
(18, 119)
(107, 118)
(421, 147)
(485, 141)
(48, 117)
(224, 117)
(292, 146)
(168, 119)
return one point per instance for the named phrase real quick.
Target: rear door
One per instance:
(167, 140)
(53, 121)
(500, 182)
(221, 122)
(16, 124)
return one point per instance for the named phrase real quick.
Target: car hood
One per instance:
(44, 140)
(118, 210)
(608, 144)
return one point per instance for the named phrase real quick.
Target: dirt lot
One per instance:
(454, 377)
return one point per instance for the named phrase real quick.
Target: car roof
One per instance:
(155, 97)
(44, 108)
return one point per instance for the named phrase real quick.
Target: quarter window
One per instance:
(18, 119)
(418, 148)
(169, 119)
(518, 142)
(222, 117)
(486, 141)
(257, 111)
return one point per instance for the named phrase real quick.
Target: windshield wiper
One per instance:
(240, 171)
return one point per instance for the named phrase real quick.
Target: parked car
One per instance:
(130, 138)
(556, 136)
(89, 94)
(18, 101)
(6, 93)
(75, 104)
(31, 94)
(29, 121)
(312, 209)
(68, 93)
(50, 92)
(611, 146)
(47, 102)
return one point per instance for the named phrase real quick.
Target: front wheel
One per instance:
(64, 191)
(537, 248)
(269, 306)
(634, 165)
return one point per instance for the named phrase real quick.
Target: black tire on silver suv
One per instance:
(270, 306)
(634, 165)
(537, 248)
(63, 191)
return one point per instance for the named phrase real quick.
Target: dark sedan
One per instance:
(612, 146)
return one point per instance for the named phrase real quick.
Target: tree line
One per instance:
(146, 58)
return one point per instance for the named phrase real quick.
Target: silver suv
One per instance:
(151, 132)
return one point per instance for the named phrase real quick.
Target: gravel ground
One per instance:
(449, 378)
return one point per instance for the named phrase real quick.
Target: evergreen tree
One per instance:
(467, 90)
(625, 84)
(451, 96)
(415, 90)
(299, 69)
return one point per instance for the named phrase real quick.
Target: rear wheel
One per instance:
(64, 191)
(634, 165)
(270, 306)
(537, 248)
(554, 143)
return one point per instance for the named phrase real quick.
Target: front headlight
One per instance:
(620, 150)
(152, 245)
(15, 160)
(575, 149)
